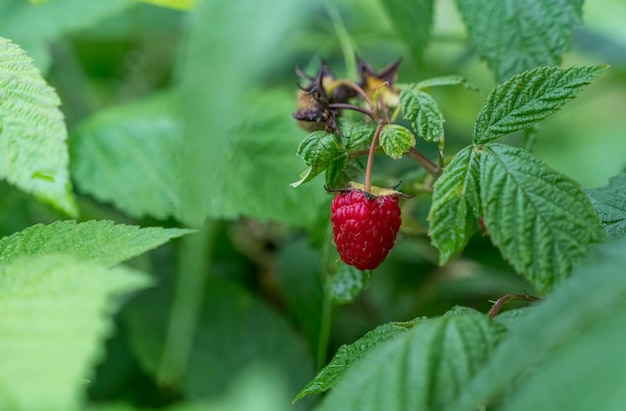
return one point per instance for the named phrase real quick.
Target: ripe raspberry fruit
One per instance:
(364, 227)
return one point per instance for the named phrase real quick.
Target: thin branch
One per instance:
(431, 167)
(495, 309)
(346, 106)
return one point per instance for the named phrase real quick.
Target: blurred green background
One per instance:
(259, 262)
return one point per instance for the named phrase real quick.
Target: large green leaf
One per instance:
(130, 156)
(102, 242)
(530, 97)
(454, 213)
(349, 354)
(575, 338)
(239, 144)
(541, 221)
(33, 150)
(423, 369)
(56, 313)
(33, 24)
(412, 21)
(610, 204)
(517, 35)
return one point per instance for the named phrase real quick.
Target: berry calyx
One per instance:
(365, 225)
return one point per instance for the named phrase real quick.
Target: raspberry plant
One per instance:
(158, 251)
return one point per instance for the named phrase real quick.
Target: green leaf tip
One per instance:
(33, 136)
(528, 98)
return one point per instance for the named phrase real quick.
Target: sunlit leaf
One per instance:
(396, 140)
(424, 113)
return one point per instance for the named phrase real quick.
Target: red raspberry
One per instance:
(364, 227)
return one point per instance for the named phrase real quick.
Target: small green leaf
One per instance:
(412, 23)
(103, 241)
(57, 313)
(396, 140)
(349, 354)
(517, 35)
(446, 81)
(139, 145)
(610, 204)
(572, 318)
(530, 97)
(358, 134)
(319, 149)
(33, 138)
(541, 221)
(425, 368)
(455, 209)
(335, 171)
(423, 111)
(347, 283)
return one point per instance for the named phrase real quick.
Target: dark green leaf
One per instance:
(349, 354)
(517, 35)
(610, 204)
(33, 140)
(346, 283)
(319, 150)
(446, 81)
(424, 369)
(575, 338)
(454, 213)
(335, 172)
(396, 140)
(140, 147)
(58, 313)
(412, 21)
(541, 221)
(530, 97)
(358, 134)
(102, 241)
(424, 113)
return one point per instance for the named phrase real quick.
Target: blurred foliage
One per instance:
(249, 287)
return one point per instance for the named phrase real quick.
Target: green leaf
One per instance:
(396, 140)
(455, 209)
(573, 337)
(516, 35)
(412, 23)
(423, 369)
(452, 80)
(102, 242)
(319, 150)
(349, 354)
(174, 4)
(610, 204)
(541, 221)
(335, 176)
(57, 314)
(33, 139)
(139, 145)
(346, 283)
(530, 97)
(358, 134)
(423, 111)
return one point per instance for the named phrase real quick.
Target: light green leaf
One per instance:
(576, 336)
(131, 156)
(541, 221)
(412, 22)
(102, 242)
(318, 150)
(452, 80)
(517, 35)
(455, 209)
(346, 283)
(174, 4)
(235, 135)
(396, 140)
(56, 314)
(423, 369)
(424, 113)
(33, 150)
(349, 354)
(530, 97)
(610, 204)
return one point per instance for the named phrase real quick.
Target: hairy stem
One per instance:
(431, 167)
(367, 187)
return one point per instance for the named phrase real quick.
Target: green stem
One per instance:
(194, 270)
(367, 187)
(495, 309)
(347, 47)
